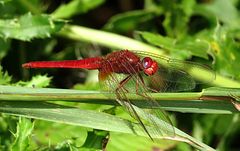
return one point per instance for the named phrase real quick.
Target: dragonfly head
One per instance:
(149, 66)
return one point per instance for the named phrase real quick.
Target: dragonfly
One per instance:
(142, 73)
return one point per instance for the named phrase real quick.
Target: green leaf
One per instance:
(28, 27)
(183, 102)
(231, 130)
(15, 8)
(217, 9)
(54, 132)
(75, 7)
(224, 48)
(129, 21)
(188, 6)
(94, 139)
(158, 40)
(7, 127)
(4, 77)
(38, 81)
(4, 47)
(67, 145)
(184, 48)
(86, 118)
(183, 146)
(226, 52)
(24, 130)
(137, 143)
(177, 15)
(2, 2)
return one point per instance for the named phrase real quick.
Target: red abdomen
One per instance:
(123, 61)
(88, 63)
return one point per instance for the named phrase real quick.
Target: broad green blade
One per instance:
(87, 118)
(181, 102)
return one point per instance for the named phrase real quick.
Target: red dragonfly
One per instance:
(137, 72)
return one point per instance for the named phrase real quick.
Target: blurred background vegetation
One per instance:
(205, 31)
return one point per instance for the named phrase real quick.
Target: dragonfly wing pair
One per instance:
(172, 76)
(124, 85)
(177, 75)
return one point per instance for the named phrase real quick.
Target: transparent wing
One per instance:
(122, 85)
(169, 80)
(176, 75)
(165, 128)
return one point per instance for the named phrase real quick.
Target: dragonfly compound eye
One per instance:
(150, 66)
(147, 62)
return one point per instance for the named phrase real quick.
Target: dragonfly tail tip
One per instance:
(26, 65)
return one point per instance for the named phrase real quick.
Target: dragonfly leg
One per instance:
(128, 104)
(123, 82)
(142, 81)
(137, 84)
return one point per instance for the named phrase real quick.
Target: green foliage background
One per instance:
(204, 31)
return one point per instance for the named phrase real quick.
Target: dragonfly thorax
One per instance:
(124, 61)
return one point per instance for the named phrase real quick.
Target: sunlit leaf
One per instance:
(54, 133)
(96, 120)
(24, 130)
(76, 7)
(184, 48)
(218, 7)
(224, 48)
(137, 143)
(129, 21)
(2, 2)
(4, 47)
(29, 26)
(37, 81)
(4, 77)
(177, 15)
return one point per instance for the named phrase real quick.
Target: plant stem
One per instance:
(182, 102)
(106, 39)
